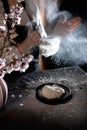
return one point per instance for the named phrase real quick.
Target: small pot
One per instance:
(53, 93)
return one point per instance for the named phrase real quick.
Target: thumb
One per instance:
(62, 20)
(30, 31)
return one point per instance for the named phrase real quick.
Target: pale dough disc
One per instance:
(52, 91)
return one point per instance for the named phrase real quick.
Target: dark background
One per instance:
(77, 7)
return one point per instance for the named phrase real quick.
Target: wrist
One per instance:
(24, 46)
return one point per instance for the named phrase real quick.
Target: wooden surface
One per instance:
(24, 110)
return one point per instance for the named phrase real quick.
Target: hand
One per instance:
(63, 27)
(33, 37)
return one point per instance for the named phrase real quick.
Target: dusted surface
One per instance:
(23, 110)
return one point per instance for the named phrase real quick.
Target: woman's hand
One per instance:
(33, 37)
(63, 27)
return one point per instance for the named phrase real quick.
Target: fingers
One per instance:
(74, 23)
(74, 27)
(30, 31)
(34, 37)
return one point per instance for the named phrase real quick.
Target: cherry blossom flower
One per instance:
(2, 63)
(10, 57)
(24, 66)
(9, 69)
(2, 31)
(14, 15)
(2, 28)
(2, 73)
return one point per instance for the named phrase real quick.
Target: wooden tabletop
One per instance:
(24, 110)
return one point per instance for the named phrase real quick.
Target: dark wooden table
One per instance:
(24, 110)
